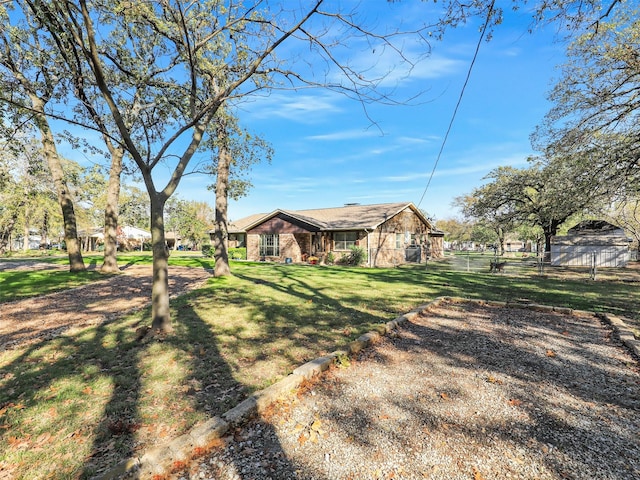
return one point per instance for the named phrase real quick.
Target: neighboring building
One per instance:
(390, 233)
(591, 240)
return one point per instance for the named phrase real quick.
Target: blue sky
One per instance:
(327, 152)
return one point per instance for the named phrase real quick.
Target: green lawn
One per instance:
(77, 404)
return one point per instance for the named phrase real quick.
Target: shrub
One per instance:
(357, 257)
(234, 253)
(330, 258)
(238, 253)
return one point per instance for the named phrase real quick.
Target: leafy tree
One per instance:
(27, 195)
(480, 233)
(134, 207)
(456, 230)
(29, 81)
(596, 103)
(235, 151)
(190, 220)
(626, 214)
(483, 207)
(544, 195)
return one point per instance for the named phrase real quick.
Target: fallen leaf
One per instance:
(492, 379)
(477, 475)
(551, 353)
(444, 396)
(514, 402)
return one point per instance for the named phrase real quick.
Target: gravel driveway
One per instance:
(462, 392)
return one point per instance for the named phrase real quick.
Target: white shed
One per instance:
(589, 240)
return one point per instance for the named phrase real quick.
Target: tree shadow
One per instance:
(67, 378)
(573, 404)
(110, 358)
(215, 386)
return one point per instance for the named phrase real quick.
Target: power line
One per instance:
(455, 111)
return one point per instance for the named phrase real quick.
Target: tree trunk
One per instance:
(65, 200)
(5, 233)
(160, 314)
(25, 239)
(110, 264)
(221, 254)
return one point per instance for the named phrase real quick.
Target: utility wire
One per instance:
(455, 111)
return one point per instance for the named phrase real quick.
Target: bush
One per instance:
(238, 253)
(234, 253)
(330, 260)
(357, 257)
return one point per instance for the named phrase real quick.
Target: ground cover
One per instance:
(75, 405)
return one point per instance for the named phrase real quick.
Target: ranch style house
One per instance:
(391, 234)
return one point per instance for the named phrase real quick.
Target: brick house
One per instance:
(390, 233)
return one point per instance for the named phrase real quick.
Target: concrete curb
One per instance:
(625, 335)
(161, 460)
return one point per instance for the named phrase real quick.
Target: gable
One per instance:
(282, 223)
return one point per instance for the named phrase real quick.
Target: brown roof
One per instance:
(238, 226)
(348, 217)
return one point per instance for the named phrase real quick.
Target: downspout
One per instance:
(368, 249)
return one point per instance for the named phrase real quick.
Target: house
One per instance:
(591, 241)
(390, 233)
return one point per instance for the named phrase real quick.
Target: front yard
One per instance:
(75, 405)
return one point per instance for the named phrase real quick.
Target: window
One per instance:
(269, 245)
(345, 240)
(239, 238)
(399, 240)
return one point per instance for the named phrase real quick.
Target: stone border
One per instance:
(160, 461)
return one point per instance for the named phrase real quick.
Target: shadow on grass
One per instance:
(100, 395)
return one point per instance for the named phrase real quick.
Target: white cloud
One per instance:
(345, 135)
(481, 166)
(303, 108)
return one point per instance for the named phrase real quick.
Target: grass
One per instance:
(73, 406)
(20, 285)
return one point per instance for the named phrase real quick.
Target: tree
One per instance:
(27, 196)
(29, 81)
(455, 230)
(189, 219)
(596, 103)
(546, 195)
(626, 214)
(134, 207)
(483, 207)
(163, 70)
(235, 151)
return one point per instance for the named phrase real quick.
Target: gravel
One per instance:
(462, 392)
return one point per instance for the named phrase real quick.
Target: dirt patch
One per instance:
(47, 316)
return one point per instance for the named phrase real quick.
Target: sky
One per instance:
(328, 151)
